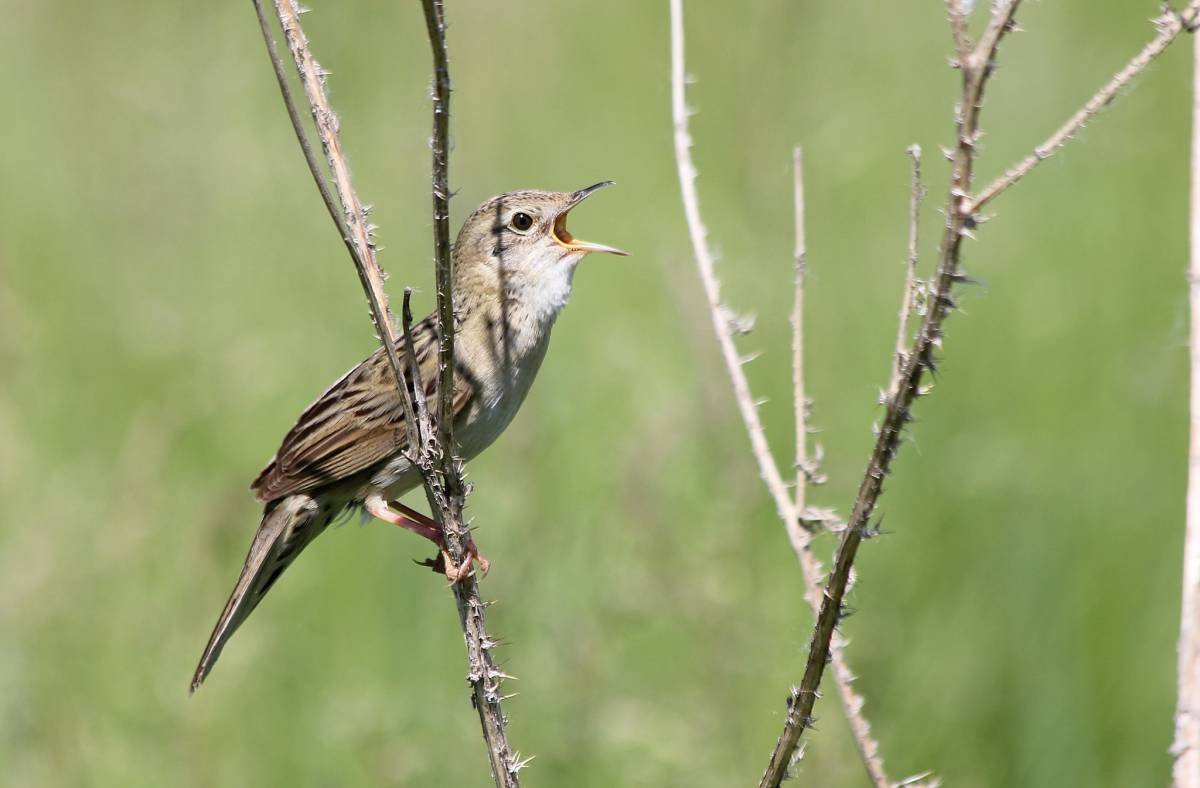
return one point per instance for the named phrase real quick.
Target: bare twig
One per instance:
(445, 488)
(961, 213)
(1170, 24)
(416, 418)
(435, 22)
(799, 395)
(976, 70)
(350, 220)
(908, 300)
(982, 57)
(485, 675)
(430, 445)
(712, 287)
(806, 471)
(1186, 747)
(790, 511)
(958, 27)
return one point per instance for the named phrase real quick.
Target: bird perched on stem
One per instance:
(513, 263)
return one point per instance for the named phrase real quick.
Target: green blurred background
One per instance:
(172, 294)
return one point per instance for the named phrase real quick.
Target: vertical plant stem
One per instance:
(852, 702)
(444, 484)
(787, 507)
(435, 22)
(908, 300)
(712, 286)
(975, 72)
(430, 449)
(799, 395)
(1186, 747)
(350, 220)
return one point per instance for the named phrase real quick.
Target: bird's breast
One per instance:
(501, 380)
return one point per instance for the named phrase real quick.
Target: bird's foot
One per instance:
(444, 564)
(427, 527)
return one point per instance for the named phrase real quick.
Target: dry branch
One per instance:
(1186, 747)
(435, 22)
(908, 300)
(976, 69)
(444, 484)
(791, 512)
(350, 219)
(961, 218)
(799, 396)
(958, 28)
(806, 472)
(1170, 24)
(431, 444)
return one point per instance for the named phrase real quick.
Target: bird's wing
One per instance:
(357, 423)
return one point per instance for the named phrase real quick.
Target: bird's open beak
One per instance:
(566, 240)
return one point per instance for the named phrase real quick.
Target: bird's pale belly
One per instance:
(489, 413)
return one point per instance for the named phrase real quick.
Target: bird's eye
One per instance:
(521, 221)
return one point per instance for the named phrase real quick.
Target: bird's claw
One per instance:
(444, 564)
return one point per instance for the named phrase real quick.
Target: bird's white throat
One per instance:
(544, 296)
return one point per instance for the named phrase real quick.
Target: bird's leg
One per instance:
(470, 555)
(427, 527)
(414, 521)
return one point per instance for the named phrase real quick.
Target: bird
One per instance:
(513, 268)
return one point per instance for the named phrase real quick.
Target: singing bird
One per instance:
(514, 263)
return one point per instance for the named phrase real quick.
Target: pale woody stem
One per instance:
(789, 510)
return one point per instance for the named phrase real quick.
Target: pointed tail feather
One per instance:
(286, 529)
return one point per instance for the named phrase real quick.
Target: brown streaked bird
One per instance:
(514, 262)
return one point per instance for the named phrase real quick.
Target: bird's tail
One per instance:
(287, 528)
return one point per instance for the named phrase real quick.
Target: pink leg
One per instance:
(414, 521)
(427, 527)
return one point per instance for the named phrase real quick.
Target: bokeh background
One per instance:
(172, 294)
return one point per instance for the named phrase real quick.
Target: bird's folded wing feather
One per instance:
(357, 423)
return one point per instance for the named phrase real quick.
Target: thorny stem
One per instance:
(430, 451)
(789, 511)
(1186, 747)
(908, 300)
(799, 395)
(351, 219)
(975, 69)
(435, 21)
(852, 702)
(712, 286)
(444, 484)
(958, 28)
(1170, 24)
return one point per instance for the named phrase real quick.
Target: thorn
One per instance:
(871, 531)
(740, 325)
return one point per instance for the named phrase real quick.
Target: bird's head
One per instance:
(516, 246)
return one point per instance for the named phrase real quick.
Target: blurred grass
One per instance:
(171, 295)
